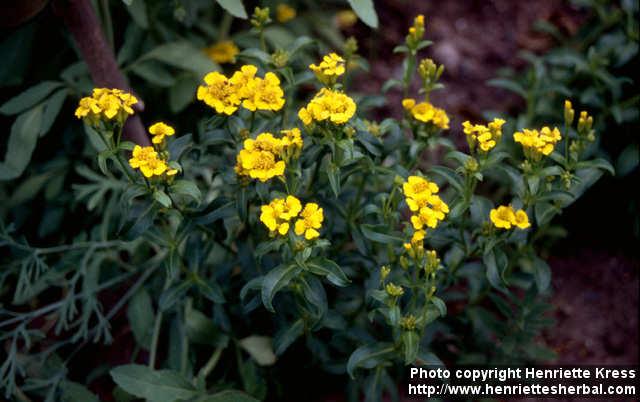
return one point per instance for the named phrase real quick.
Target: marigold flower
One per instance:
(219, 93)
(329, 105)
(264, 94)
(310, 221)
(222, 52)
(291, 143)
(537, 143)
(147, 160)
(106, 104)
(486, 137)
(260, 158)
(426, 113)
(159, 131)
(241, 79)
(329, 69)
(421, 197)
(285, 12)
(504, 217)
(277, 214)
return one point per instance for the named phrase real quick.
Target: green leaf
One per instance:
(234, 7)
(449, 175)
(22, 141)
(333, 173)
(440, 305)
(51, 110)
(285, 338)
(154, 73)
(183, 55)
(411, 345)
(199, 327)
(366, 11)
(275, 280)
(369, 356)
(544, 212)
(162, 198)
(228, 396)
(169, 297)
(182, 93)
(154, 385)
(495, 268)
(74, 392)
(597, 163)
(541, 273)
(141, 318)
(138, 11)
(325, 267)
(371, 233)
(259, 348)
(211, 290)
(507, 84)
(188, 188)
(29, 98)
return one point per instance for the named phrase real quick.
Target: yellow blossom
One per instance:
(421, 197)
(291, 143)
(240, 80)
(222, 52)
(329, 105)
(486, 137)
(159, 131)
(426, 113)
(394, 290)
(331, 67)
(310, 221)
(505, 217)
(277, 214)
(285, 12)
(219, 93)
(537, 143)
(264, 94)
(147, 161)
(106, 105)
(346, 19)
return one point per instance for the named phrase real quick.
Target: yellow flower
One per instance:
(421, 197)
(346, 19)
(291, 143)
(329, 105)
(394, 290)
(260, 158)
(537, 143)
(384, 272)
(219, 93)
(285, 13)
(264, 94)
(426, 113)
(331, 67)
(310, 221)
(241, 79)
(159, 131)
(504, 217)
(146, 160)
(277, 214)
(106, 104)
(485, 136)
(416, 32)
(222, 52)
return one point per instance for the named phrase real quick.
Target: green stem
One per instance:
(156, 330)
(211, 363)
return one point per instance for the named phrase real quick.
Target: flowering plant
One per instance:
(287, 220)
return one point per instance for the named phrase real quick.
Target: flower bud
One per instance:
(260, 17)
(569, 113)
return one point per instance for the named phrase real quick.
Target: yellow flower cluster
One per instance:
(106, 104)
(330, 105)
(394, 290)
(222, 52)
(225, 95)
(427, 113)
(278, 214)
(416, 31)
(147, 160)
(505, 217)
(408, 323)
(285, 12)
(266, 156)
(329, 69)
(423, 200)
(159, 131)
(485, 136)
(537, 143)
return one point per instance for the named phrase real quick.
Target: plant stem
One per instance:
(156, 330)
(211, 363)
